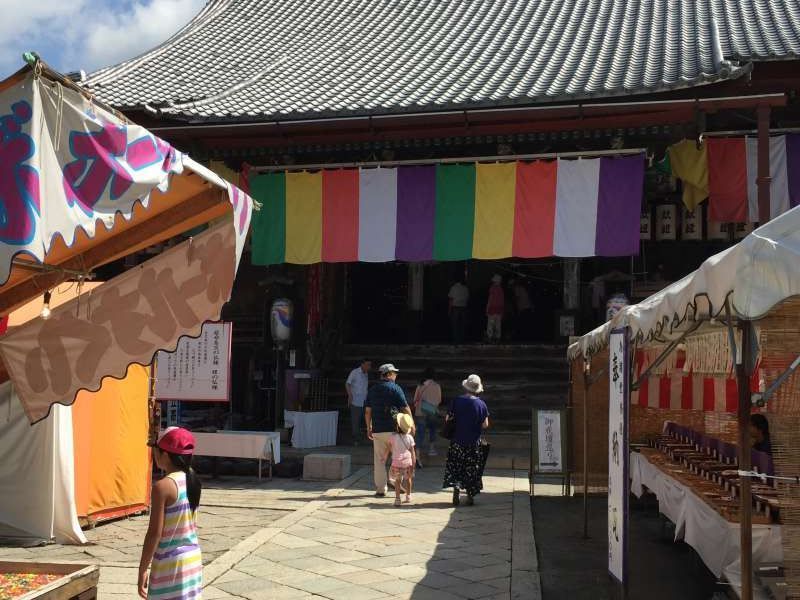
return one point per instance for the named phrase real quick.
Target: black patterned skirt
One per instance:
(464, 468)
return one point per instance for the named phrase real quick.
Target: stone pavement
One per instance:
(348, 545)
(308, 540)
(232, 510)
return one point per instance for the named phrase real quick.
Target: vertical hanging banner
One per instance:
(646, 225)
(742, 230)
(666, 225)
(692, 224)
(199, 368)
(618, 482)
(718, 231)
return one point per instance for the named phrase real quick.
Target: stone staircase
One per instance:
(516, 377)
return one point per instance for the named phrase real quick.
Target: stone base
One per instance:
(332, 467)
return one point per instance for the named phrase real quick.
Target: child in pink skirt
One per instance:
(404, 457)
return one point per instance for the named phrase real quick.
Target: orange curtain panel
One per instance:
(112, 460)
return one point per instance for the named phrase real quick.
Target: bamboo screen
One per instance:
(780, 344)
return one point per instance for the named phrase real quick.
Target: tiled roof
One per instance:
(285, 59)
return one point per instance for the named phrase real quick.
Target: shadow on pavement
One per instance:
(571, 567)
(472, 555)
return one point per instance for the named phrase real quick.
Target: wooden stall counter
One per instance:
(719, 497)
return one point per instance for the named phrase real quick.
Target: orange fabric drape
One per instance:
(112, 460)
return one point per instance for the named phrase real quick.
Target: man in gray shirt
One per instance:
(356, 387)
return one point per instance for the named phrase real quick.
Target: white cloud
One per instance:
(88, 34)
(124, 35)
(33, 16)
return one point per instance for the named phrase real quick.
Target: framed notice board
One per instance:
(549, 444)
(199, 368)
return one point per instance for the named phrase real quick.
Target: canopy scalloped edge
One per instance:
(751, 277)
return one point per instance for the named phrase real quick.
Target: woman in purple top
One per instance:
(465, 462)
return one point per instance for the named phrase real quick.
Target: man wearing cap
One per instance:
(384, 399)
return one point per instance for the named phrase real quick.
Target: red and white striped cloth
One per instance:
(679, 390)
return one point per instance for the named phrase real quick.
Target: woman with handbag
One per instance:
(427, 398)
(466, 457)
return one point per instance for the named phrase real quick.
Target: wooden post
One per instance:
(586, 370)
(572, 274)
(153, 408)
(743, 373)
(764, 179)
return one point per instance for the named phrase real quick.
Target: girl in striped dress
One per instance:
(171, 548)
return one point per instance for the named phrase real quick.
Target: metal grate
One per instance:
(315, 397)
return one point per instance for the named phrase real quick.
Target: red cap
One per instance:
(176, 440)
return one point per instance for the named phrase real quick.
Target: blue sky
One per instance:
(87, 34)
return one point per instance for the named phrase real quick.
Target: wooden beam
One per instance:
(201, 208)
(685, 115)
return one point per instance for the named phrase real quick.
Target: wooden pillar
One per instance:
(764, 179)
(587, 367)
(743, 373)
(416, 301)
(572, 288)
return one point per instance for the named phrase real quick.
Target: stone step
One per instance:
(517, 377)
(445, 350)
(362, 455)
(460, 364)
(492, 374)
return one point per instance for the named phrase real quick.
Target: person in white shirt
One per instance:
(459, 299)
(356, 386)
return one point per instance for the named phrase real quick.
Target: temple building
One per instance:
(588, 152)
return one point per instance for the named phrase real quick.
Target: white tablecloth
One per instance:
(239, 444)
(714, 538)
(312, 429)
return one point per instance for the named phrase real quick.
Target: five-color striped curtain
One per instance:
(447, 212)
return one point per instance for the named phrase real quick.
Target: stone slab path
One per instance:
(301, 540)
(349, 545)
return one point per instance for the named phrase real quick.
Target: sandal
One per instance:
(397, 502)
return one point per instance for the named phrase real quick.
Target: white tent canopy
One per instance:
(754, 275)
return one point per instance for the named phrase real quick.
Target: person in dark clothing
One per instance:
(759, 433)
(384, 400)
(465, 459)
(458, 300)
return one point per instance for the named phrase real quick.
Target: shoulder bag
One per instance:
(448, 429)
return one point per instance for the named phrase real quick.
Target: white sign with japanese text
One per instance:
(618, 402)
(692, 224)
(549, 434)
(199, 369)
(666, 222)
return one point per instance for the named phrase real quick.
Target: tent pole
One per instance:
(586, 369)
(743, 373)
